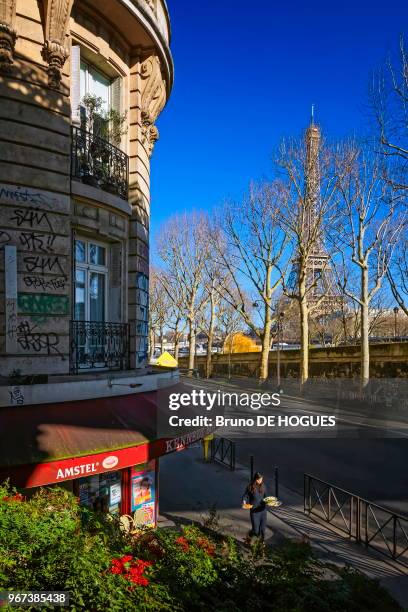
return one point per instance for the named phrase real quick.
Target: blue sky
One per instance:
(246, 75)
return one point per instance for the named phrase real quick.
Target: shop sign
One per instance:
(179, 443)
(79, 467)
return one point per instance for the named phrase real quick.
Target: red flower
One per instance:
(144, 564)
(17, 497)
(131, 570)
(137, 578)
(206, 545)
(183, 543)
(116, 567)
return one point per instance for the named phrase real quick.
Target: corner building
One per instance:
(81, 86)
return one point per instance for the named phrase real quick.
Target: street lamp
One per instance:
(395, 321)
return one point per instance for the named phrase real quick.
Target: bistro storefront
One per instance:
(57, 447)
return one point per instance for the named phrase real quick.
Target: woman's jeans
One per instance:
(258, 522)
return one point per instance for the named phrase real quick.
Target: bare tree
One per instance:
(252, 252)
(175, 320)
(366, 228)
(208, 318)
(229, 322)
(389, 102)
(184, 249)
(158, 307)
(397, 275)
(311, 186)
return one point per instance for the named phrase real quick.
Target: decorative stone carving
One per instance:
(89, 212)
(54, 51)
(8, 33)
(150, 134)
(153, 100)
(55, 55)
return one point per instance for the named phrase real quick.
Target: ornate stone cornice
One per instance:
(152, 101)
(8, 33)
(56, 26)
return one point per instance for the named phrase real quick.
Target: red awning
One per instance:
(80, 438)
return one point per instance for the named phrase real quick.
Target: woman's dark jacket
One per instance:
(255, 498)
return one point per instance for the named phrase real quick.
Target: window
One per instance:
(91, 281)
(93, 82)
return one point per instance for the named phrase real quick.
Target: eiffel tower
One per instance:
(320, 281)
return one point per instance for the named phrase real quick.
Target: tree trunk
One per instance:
(304, 340)
(210, 340)
(266, 344)
(177, 336)
(191, 344)
(161, 341)
(364, 326)
(152, 343)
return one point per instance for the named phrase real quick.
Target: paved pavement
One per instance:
(371, 467)
(189, 487)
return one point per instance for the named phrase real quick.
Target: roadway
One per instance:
(366, 456)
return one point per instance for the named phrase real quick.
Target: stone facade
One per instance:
(44, 205)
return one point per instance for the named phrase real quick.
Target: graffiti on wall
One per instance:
(142, 316)
(16, 396)
(35, 223)
(42, 264)
(43, 303)
(35, 341)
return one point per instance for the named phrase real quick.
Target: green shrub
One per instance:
(50, 543)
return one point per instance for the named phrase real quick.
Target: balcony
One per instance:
(98, 345)
(97, 162)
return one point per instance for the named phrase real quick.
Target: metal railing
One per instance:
(97, 344)
(223, 451)
(366, 522)
(97, 162)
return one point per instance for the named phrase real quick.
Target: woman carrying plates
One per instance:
(254, 501)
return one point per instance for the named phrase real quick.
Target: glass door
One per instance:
(90, 306)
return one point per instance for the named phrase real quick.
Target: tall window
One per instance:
(93, 82)
(86, 79)
(91, 281)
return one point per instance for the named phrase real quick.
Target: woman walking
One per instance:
(254, 498)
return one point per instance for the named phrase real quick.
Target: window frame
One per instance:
(88, 68)
(88, 268)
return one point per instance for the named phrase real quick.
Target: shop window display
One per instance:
(102, 492)
(143, 480)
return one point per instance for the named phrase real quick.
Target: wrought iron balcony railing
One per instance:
(97, 344)
(97, 162)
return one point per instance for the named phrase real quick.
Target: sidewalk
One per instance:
(189, 488)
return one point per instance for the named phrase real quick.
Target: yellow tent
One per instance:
(166, 361)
